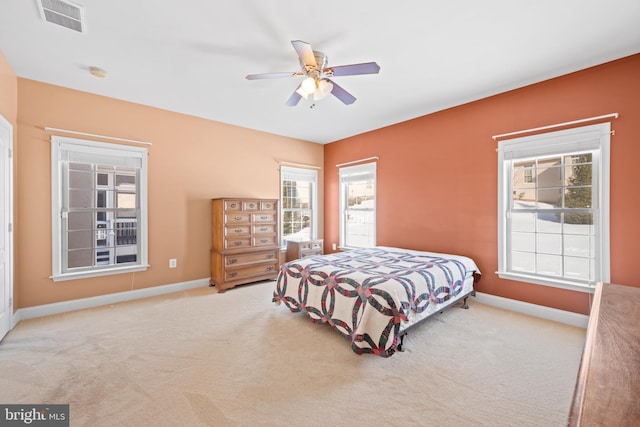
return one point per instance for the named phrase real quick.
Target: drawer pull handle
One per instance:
(270, 256)
(238, 218)
(238, 230)
(264, 217)
(252, 206)
(233, 260)
(264, 240)
(270, 268)
(233, 205)
(264, 229)
(237, 242)
(233, 274)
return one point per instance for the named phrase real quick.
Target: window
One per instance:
(358, 206)
(554, 226)
(528, 173)
(299, 204)
(99, 208)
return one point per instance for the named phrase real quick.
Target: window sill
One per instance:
(555, 283)
(98, 273)
(349, 248)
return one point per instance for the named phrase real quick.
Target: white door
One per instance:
(6, 210)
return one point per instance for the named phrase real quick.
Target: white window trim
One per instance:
(56, 206)
(575, 139)
(353, 170)
(300, 174)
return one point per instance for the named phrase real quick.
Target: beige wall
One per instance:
(8, 91)
(191, 161)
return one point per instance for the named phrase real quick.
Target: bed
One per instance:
(373, 296)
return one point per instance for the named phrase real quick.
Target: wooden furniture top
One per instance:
(608, 386)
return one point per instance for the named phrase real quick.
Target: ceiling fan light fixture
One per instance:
(316, 84)
(324, 88)
(302, 93)
(308, 86)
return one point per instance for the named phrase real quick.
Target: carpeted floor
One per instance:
(199, 358)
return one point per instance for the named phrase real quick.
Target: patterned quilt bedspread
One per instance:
(368, 294)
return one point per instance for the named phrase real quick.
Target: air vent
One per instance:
(63, 13)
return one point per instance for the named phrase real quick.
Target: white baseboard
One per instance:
(562, 316)
(567, 317)
(79, 304)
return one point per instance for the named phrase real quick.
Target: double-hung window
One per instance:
(358, 206)
(299, 202)
(554, 207)
(99, 208)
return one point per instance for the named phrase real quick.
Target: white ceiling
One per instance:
(192, 56)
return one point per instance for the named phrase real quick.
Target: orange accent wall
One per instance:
(437, 174)
(191, 161)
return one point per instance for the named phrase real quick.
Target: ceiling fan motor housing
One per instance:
(321, 63)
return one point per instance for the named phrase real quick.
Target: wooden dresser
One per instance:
(608, 387)
(245, 241)
(302, 248)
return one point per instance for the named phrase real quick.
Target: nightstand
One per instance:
(303, 248)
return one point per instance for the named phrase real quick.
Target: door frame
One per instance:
(6, 134)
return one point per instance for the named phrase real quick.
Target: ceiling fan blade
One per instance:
(293, 99)
(342, 94)
(272, 75)
(353, 69)
(305, 52)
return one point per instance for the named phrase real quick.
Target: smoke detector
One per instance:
(98, 72)
(63, 13)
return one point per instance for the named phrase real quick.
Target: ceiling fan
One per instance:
(317, 84)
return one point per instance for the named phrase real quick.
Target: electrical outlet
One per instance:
(333, 246)
(173, 263)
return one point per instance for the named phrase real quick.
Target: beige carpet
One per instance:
(199, 358)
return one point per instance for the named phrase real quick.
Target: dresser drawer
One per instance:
(232, 205)
(251, 205)
(264, 229)
(310, 252)
(237, 230)
(237, 218)
(238, 242)
(264, 217)
(249, 258)
(264, 240)
(313, 244)
(266, 205)
(250, 271)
